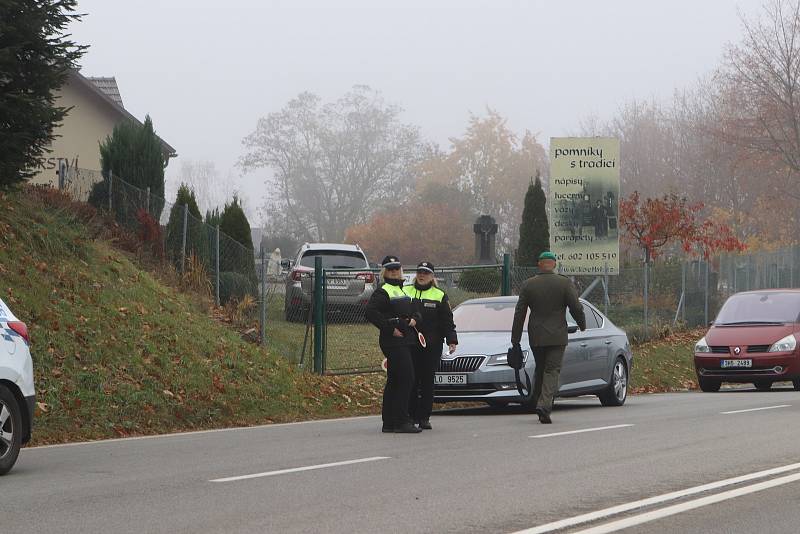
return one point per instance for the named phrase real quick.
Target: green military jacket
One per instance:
(547, 295)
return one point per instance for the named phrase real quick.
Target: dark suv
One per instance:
(349, 280)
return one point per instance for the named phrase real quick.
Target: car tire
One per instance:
(763, 385)
(796, 384)
(617, 391)
(709, 385)
(10, 423)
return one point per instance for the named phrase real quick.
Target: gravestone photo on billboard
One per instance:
(584, 204)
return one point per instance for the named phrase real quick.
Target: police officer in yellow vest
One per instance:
(390, 309)
(436, 326)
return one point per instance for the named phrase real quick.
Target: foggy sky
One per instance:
(206, 71)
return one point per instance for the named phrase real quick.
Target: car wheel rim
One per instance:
(620, 381)
(6, 430)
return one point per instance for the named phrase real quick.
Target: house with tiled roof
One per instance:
(96, 107)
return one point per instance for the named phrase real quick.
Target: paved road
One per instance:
(479, 470)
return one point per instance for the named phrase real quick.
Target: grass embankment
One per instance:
(665, 364)
(118, 352)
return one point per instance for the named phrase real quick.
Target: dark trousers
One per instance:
(426, 361)
(399, 381)
(548, 368)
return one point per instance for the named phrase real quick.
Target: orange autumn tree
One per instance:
(417, 231)
(654, 223)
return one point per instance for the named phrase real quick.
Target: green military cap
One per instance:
(547, 255)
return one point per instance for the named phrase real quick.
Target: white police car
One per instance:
(17, 396)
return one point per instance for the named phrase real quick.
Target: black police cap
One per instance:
(425, 266)
(390, 262)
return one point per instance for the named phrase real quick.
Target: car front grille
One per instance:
(461, 364)
(727, 350)
(463, 390)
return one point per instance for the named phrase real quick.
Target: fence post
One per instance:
(216, 267)
(791, 266)
(147, 200)
(705, 296)
(683, 291)
(319, 314)
(110, 183)
(506, 289)
(183, 238)
(62, 171)
(263, 298)
(646, 265)
(605, 289)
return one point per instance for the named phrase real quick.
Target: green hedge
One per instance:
(234, 286)
(480, 281)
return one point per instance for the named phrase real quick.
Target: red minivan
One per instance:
(753, 339)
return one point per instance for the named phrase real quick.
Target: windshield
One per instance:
(757, 308)
(335, 259)
(488, 317)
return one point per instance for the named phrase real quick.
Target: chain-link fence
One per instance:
(202, 257)
(256, 293)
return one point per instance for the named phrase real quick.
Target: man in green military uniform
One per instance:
(548, 295)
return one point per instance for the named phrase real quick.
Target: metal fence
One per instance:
(318, 321)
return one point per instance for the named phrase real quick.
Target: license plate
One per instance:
(337, 283)
(736, 363)
(446, 379)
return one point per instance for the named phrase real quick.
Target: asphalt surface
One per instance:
(478, 470)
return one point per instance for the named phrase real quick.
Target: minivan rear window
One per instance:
(335, 259)
(755, 308)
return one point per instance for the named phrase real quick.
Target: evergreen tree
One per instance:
(233, 223)
(197, 241)
(35, 59)
(213, 217)
(534, 232)
(133, 153)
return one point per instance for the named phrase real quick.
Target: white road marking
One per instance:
(197, 432)
(690, 505)
(757, 409)
(300, 469)
(578, 431)
(658, 499)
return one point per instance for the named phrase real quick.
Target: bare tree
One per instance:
(333, 165)
(761, 78)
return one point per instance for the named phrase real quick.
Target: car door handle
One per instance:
(584, 344)
(608, 342)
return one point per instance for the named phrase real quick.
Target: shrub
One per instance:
(480, 281)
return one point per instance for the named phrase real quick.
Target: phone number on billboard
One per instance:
(591, 256)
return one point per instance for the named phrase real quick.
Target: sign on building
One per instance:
(584, 204)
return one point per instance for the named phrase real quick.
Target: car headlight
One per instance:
(702, 346)
(502, 359)
(784, 345)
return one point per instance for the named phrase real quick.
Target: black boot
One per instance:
(425, 424)
(387, 429)
(407, 428)
(544, 417)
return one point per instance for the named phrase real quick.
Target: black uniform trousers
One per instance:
(426, 362)
(399, 381)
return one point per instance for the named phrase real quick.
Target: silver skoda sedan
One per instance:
(596, 362)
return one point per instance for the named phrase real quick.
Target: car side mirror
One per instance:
(572, 328)
(710, 323)
(286, 264)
